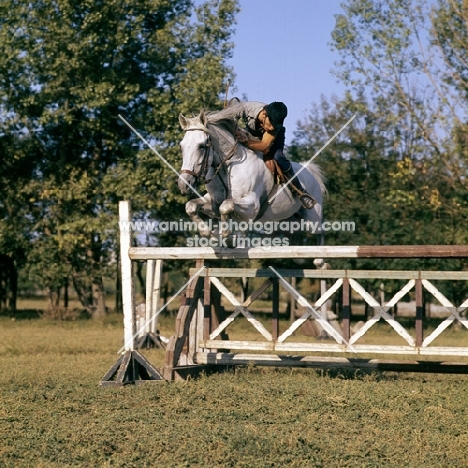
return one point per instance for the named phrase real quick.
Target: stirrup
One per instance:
(307, 201)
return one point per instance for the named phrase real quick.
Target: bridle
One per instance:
(201, 174)
(208, 145)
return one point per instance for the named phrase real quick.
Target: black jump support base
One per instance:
(150, 341)
(131, 368)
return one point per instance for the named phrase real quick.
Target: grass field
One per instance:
(53, 414)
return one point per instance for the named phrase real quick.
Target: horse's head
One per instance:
(197, 151)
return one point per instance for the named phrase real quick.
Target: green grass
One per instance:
(53, 414)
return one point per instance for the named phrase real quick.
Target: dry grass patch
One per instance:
(53, 414)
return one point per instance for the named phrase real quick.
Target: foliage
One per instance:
(392, 200)
(16, 168)
(68, 69)
(405, 57)
(399, 170)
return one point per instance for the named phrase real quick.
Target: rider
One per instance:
(266, 133)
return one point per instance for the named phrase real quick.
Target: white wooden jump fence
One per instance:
(200, 343)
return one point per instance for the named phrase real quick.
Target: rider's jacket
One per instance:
(248, 112)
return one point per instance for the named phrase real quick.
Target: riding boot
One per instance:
(307, 201)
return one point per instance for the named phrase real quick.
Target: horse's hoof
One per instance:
(204, 230)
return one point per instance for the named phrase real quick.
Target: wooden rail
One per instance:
(345, 342)
(323, 274)
(299, 252)
(202, 321)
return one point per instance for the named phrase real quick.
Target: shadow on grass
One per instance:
(23, 314)
(358, 374)
(61, 314)
(330, 373)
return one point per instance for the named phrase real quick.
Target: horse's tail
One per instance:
(317, 173)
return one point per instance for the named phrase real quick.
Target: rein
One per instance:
(204, 165)
(228, 156)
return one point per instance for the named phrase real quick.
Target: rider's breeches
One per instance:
(283, 162)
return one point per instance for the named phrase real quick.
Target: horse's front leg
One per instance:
(193, 207)
(245, 208)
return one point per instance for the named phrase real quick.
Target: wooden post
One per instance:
(149, 294)
(323, 290)
(206, 308)
(200, 319)
(346, 309)
(131, 367)
(419, 312)
(323, 309)
(156, 294)
(183, 323)
(149, 338)
(275, 311)
(292, 301)
(128, 291)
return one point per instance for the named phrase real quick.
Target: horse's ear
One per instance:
(203, 118)
(183, 122)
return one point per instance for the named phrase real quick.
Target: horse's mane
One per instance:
(226, 117)
(222, 124)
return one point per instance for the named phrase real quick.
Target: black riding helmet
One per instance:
(276, 112)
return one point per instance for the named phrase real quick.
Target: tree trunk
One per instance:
(13, 291)
(244, 288)
(99, 304)
(3, 283)
(54, 298)
(97, 287)
(90, 294)
(83, 290)
(8, 283)
(65, 294)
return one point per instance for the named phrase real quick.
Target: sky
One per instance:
(282, 53)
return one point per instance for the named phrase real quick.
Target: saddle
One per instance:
(279, 177)
(273, 167)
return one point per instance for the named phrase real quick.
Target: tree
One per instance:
(371, 185)
(398, 54)
(357, 165)
(17, 157)
(450, 37)
(67, 70)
